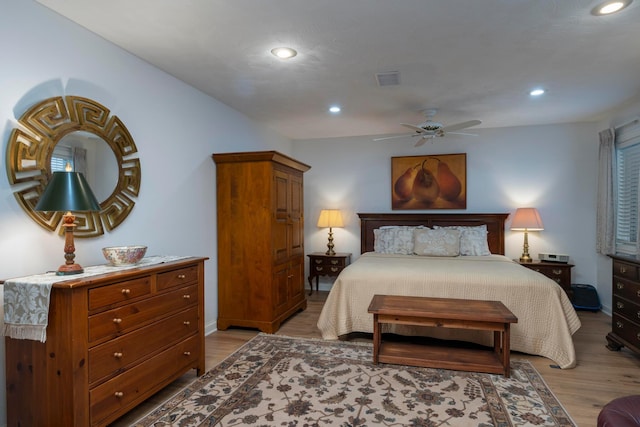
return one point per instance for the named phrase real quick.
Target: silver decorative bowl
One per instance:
(124, 255)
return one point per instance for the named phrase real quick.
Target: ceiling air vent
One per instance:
(391, 78)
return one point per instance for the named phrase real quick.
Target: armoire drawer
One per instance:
(178, 277)
(109, 358)
(130, 387)
(120, 320)
(119, 293)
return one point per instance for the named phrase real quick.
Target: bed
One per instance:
(546, 318)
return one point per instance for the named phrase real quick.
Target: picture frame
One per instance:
(435, 181)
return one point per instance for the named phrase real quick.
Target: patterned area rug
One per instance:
(280, 381)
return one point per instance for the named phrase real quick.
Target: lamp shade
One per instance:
(330, 218)
(527, 219)
(67, 191)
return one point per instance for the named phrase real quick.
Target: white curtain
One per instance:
(605, 232)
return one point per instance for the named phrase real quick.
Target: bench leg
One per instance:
(376, 339)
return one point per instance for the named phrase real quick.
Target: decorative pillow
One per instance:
(442, 242)
(394, 240)
(473, 240)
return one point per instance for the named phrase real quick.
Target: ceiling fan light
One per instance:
(610, 7)
(537, 92)
(283, 52)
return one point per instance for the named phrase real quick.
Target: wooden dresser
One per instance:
(260, 219)
(113, 340)
(625, 304)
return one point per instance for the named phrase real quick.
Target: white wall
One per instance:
(175, 127)
(549, 167)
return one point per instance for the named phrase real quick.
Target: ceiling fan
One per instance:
(430, 129)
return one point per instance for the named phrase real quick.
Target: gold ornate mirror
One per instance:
(31, 149)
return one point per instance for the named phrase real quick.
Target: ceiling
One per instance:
(471, 59)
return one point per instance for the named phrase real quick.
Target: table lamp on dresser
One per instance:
(66, 192)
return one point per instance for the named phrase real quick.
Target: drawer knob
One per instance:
(319, 268)
(126, 291)
(334, 261)
(117, 320)
(186, 296)
(638, 336)
(186, 322)
(187, 353)
(619, 285)
(619, 324)
(638, 314)
(556, 271)
(118, 394)
(638, 294)
(619, 304)
(318, 261)
(181, 276)
(623, 270)
(334, 269)
(117, 355)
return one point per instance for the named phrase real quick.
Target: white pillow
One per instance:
(473, 240)
(441, 242)
(394, 240)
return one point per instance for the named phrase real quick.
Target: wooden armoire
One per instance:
(260, 227)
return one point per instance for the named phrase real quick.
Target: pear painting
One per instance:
(429, 182)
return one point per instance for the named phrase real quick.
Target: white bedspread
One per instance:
(546, 318)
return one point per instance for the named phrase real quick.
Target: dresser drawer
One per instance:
(122, 352)
(119, 293)
(114, 397)
(626, 289)
(126, 318)
(627, 330)
(626, 309)
(178, 277)
(626, 270)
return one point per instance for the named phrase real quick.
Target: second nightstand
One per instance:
(559, 272)
(321, 264)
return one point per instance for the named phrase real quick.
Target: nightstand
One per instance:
(321, 264)
(559, 272)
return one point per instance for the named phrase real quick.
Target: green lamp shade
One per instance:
(67, 191)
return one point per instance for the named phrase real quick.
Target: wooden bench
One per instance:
(445, 313)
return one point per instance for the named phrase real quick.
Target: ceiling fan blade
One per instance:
(415, 128)
(393, 137)
(462, 125)
(462, 133)
(422, 140)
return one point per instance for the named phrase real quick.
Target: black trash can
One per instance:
(585, 297)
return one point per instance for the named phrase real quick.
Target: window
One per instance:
(627, 185)
(60, 157)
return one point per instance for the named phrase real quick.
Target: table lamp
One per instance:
(68, 191)
(330, 218)
(526, 219)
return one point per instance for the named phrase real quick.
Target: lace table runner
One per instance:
(26, 299)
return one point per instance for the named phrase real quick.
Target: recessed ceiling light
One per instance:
(610, 7)
(537, 92)
(284, 52)
(335, 109)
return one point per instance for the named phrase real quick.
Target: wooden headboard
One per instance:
(494, 221)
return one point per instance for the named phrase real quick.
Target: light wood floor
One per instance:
(600, 376)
